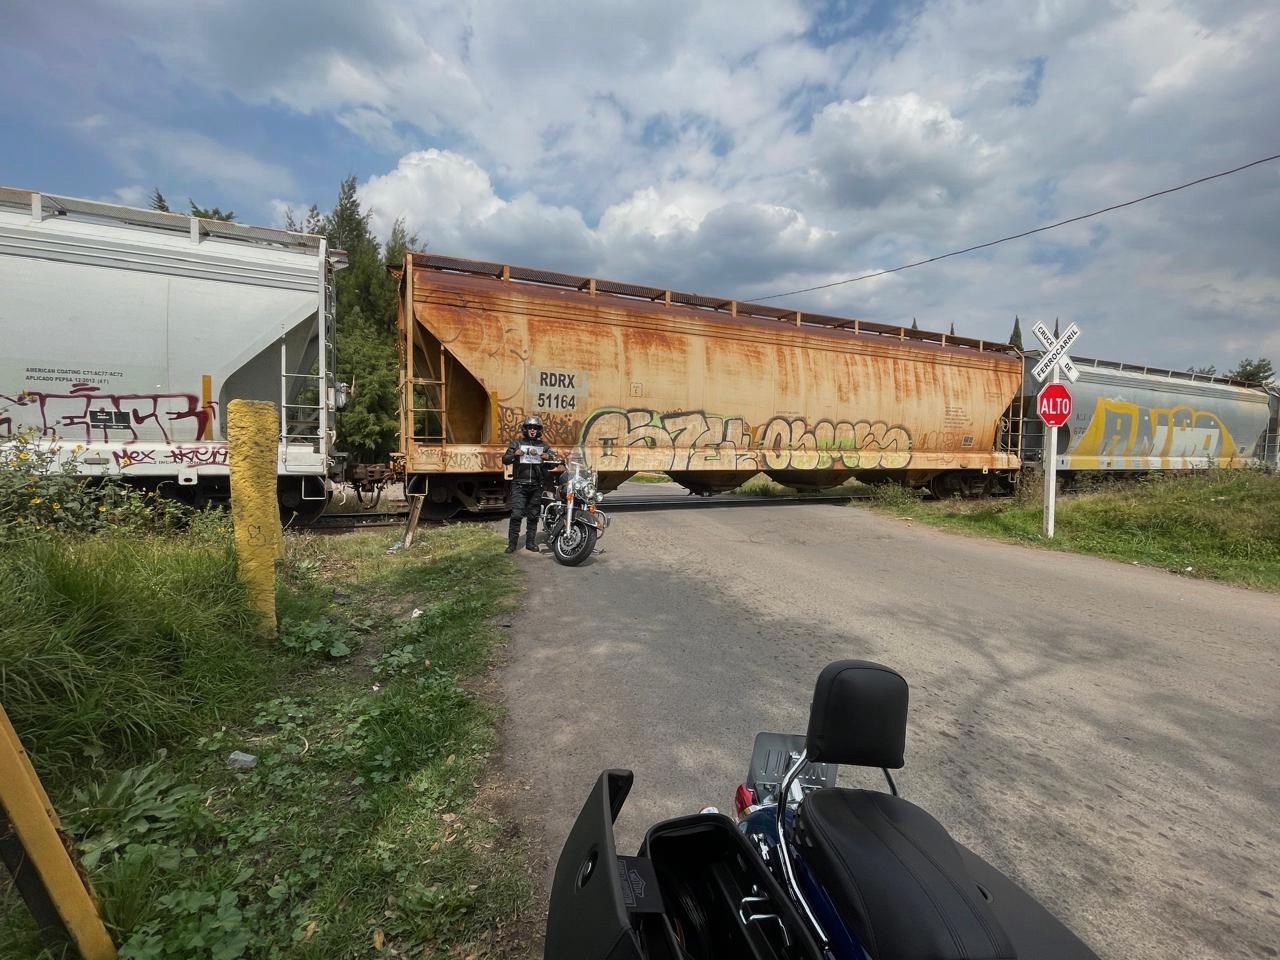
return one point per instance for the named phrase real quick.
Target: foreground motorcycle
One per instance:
(811, 871)
(570, 513)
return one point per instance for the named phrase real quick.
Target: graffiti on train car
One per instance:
(1119, 428)
(85, 414)
(694, 440)
(207, 455)
(473, 461)
(792, 443)
(561, 430)
(645, 439)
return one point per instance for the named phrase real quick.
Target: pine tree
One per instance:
(210, 213)
(348, 225)
(314, 222)
(914, 325)
(158, 202)
(367, 299)
(399, 242)
(1015, 338)
(1254, 371)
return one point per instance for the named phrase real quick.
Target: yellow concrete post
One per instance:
(52, 876)
(253, 437)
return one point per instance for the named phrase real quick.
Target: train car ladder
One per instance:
(428, 415)
(304, 387)
(1012, 432)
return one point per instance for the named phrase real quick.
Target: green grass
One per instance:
(367, 828)
(116, 645)
(1219, 525)
(648, 478)
(761, 485)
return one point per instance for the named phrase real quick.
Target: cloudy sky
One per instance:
(742, 148)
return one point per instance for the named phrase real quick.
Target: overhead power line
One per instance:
(1018, 236)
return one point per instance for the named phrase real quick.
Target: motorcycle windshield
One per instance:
(576, 467)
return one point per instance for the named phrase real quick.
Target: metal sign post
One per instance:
(1053, 405)
(1050, 460)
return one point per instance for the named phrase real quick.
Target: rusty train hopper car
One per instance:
(707, 390)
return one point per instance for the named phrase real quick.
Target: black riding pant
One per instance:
(526, 501)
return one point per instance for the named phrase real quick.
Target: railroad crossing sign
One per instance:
(1055, 352)
(1054, 404)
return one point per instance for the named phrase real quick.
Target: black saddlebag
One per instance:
(697, 891)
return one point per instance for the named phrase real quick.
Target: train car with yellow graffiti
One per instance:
(707, 390)
(128, 331)
(1128, 418)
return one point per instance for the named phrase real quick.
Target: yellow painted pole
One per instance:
(206, 392)
(25, 767)
(253, 436)
(27, 809)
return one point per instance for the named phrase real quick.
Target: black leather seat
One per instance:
(904, 887)
(910, 892)
(898, 879)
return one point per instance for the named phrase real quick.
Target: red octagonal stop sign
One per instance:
(1054, 404)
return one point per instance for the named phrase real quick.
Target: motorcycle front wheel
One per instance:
(573, 545)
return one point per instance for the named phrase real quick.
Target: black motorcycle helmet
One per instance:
(532, 425)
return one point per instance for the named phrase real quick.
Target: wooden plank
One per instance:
(415, 513)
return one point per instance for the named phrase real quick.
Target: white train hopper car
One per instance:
(126, 333)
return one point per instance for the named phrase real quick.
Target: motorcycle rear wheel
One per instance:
(570, 547)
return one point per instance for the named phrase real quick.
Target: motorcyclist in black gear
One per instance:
(528, 455)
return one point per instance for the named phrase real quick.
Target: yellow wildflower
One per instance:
(102, 509)
(36, 501)
(24, 455)
(57, 505)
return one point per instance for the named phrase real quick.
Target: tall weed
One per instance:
(114, 645)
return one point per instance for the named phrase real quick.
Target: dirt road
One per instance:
(1108, 735)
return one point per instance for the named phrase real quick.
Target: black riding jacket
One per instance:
(530, 473)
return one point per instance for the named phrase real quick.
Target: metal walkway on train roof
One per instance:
(733, 308)
(43, 206)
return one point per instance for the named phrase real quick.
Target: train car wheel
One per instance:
(440, 509)
(302, 500)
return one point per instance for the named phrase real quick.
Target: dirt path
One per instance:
(1107, 734)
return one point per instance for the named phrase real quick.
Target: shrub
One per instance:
(42, 493)
(895, 496)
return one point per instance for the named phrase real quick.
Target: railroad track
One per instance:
(349, 522)
(693, 502)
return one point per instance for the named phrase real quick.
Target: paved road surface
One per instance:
(1107, 734)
